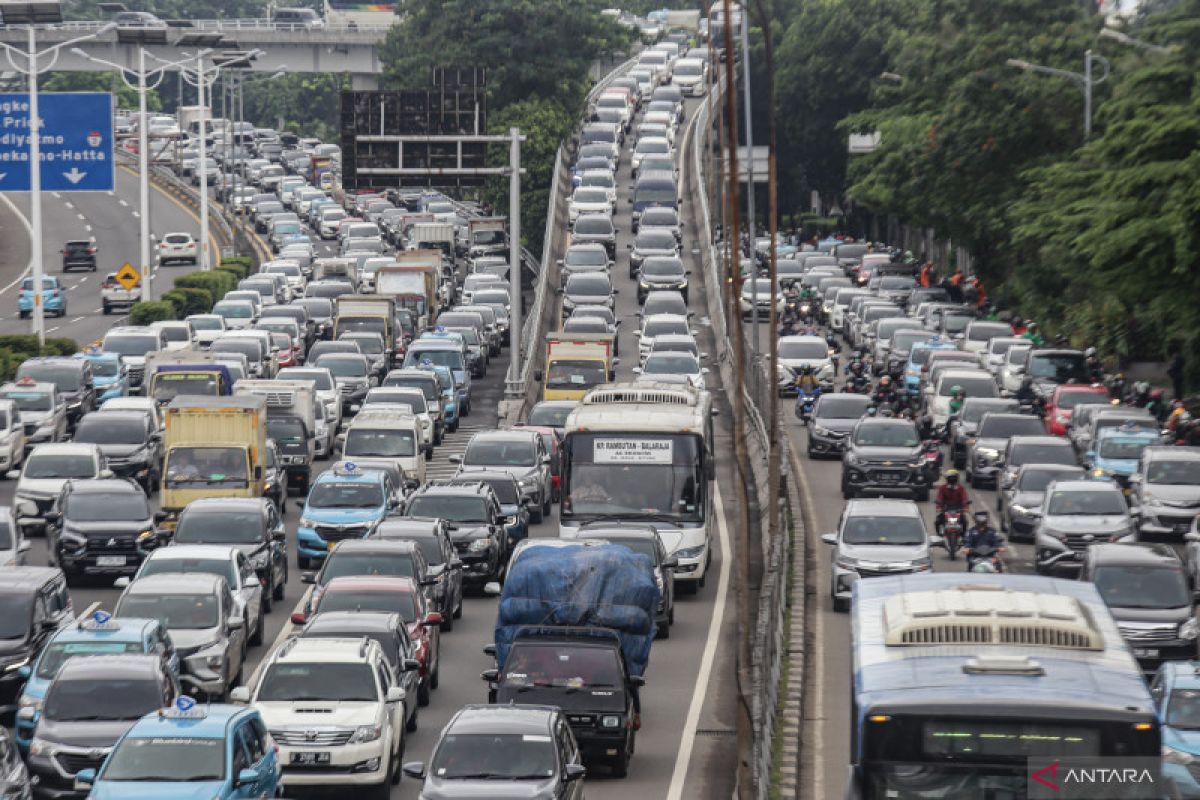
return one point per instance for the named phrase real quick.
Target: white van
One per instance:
(385, 433)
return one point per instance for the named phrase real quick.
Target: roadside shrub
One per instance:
(152, 311)
(216, 283)
(195, 301)
(239, 267)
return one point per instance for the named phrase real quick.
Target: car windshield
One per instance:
(586, 257)
(106, 507)
(1006, 427)
(1036, 480)
(317, 307)
(371, 345)
(971, 386)
(663, 267)
(1173, 472)
(441, 358)
(900, 530)
(319, 377)
(974, 411)
(461, 508)
(902, 435)
(496, 756)
(57, 653)
(286, 430)
(174, 759)
(198, 525)
(1072, 399)
(671, 364)
(591, 196)
(130, 344)
(803, 350)
(1122, 447)
(379, 443)
(15, 616)
(206, 323)
(344, 367)
(659, 217)
(1042, 454)
(500, 452)
(1087, 503)
(343, 494)
(187, 612)
(956, 323)
(401, 603)
(105, 368)
(550, 416)
(594, 225)
(223, 567)
(355, 564)
(105, 429)
(840, 408)
(565, 373)
(1059, 368)
(234, 310)
(1183, 709)
(1138, 586)
(30, 401)
(563, 666)
(66, 378)
(99, 698)
(658, 327)
(655, 240)
(47, 465)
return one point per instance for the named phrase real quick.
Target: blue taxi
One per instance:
(450, 408)
(918, 356)
(108, 374)
(1175, 690)
(98, 634)
(54, 297)
(343, 503)
(1116, 451)
(190, 751)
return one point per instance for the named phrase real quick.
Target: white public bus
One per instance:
(643, 452)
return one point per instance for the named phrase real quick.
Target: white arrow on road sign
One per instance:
(2, 174)
(74, 176)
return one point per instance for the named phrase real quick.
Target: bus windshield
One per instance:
(634, 475)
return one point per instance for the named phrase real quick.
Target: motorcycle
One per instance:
(931, 459)
(985, 559)
(952, 531)
(858, 384)
(805, 400)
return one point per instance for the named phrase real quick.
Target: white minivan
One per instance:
(385, 433)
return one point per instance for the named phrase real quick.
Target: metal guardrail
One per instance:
(261, 24)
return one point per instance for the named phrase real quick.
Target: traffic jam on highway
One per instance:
(341, 379)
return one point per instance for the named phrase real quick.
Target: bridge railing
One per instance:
(259, 25)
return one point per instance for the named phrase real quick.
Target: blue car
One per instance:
(54, 297)
(99, 634)
(109, 376)
(190, 751)
(346, 503)
(443, 351)
(1116, 452)
(450, 410)
(1176, 693)
(917, 357)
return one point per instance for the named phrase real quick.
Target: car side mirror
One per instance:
(84, 779)
(413, 769)
(455, 458)
(395, 694)
(574, 772)
(239, 694)
(537, 376)
(24, 671)
(247, 777)
(160, 516)
(121, 582)
(637, 680)
(492, 588)
(490, 675)
(829, 538)
(671, 563)
(106, 473)
(236, 623)
(279, 535)
(12, 475)
(308, 577)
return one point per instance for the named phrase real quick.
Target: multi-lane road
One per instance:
(686, 747)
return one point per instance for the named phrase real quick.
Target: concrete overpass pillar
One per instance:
(363, 83)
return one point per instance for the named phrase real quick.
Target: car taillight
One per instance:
(91, 251)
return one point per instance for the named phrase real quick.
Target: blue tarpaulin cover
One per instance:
(607, 586)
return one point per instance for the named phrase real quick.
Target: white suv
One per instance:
(336, 710)
(178, 247)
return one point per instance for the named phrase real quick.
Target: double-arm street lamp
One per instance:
(1085, 79)
(33, 62)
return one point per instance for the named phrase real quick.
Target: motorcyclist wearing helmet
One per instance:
(957, 397)
(1140, 396)
(1177, 411)
(885, 393)
(806, 380)
(981, 534)
(1091, 363)
(1032, 334)
(1018, 325)
(951, 496)
(1025, 394)
(1157, 405)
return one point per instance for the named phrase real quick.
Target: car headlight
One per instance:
(366, 733)
(305, 522)
(852, 459)
(1028, 511)
(1100, 472)
(1173, 756)
(643, 284)
(215, 661)
(990, 453)
(690, 552)
(922, 564)
(40, 747)
(71, 538)
(819, 431)
(610, 721)
(480, 545)
(1189, 629)
(846, 562)
(145, 536)
(26, 701)
(527, 482)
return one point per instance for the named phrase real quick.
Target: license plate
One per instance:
(310, 758)
(110, 561)
(1145, 652)
(1184, 528)
(888, 478)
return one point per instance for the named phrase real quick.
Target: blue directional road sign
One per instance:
(76, 141)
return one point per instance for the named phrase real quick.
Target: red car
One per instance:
(1064, 399)
(395, 596)
(286, 357)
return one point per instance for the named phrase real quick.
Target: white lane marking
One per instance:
(83, 279)
(52, 330)
(136, 214)
(77, 319)
(57, 196)
(88, 228)
(28, 232)
(817, 776)
(122, 201)
(81, 216)
(700, 691)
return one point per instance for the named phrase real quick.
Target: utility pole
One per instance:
(514, 254)
(748, 108)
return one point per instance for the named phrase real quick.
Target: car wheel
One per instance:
(847, 492)
(260, 628)
(410, 724)
(664, 631)
(429, 454)
(303, 562)
(458, 609)
(620, 765)
(278, 592)
(841, 604)
(106, 308)
(266, 600)
(536, 515)
(435, 679)
(447, 622)
(423, 693)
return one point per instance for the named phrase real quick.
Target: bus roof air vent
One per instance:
(628, 393)
(968, 615)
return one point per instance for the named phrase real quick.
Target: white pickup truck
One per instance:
(114, 295)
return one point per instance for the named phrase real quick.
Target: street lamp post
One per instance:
(33, 68)
(143, 88)
(1085, 79)
(1125, 39)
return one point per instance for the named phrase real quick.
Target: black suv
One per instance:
(90, 704)
(131, 444)
(252, 525)
(883, 456)
(432, 536)
(370, 557)
(34, 604)
(544, 666)
(477, 526)
(100, 527)
(72, 377)
(1145, 586)
(79, 254)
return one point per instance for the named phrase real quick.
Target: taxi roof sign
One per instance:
(127, 276)
(99, 621)
(184, 707)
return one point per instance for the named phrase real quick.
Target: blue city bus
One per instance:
(960, 679)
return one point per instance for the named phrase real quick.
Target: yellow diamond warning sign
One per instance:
(127, 276)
